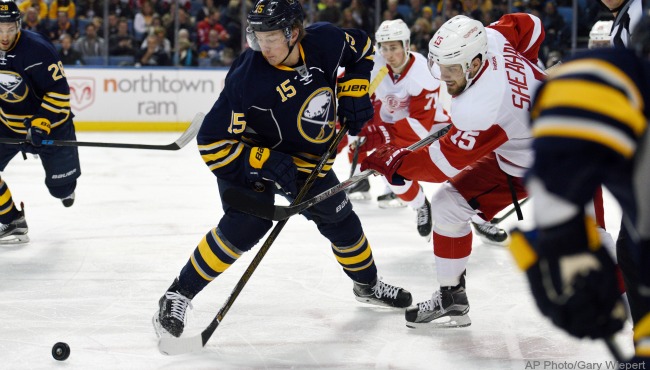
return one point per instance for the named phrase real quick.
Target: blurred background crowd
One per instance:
(208, 33)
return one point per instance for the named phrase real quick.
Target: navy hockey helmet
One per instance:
(272, 15)
(9, 11)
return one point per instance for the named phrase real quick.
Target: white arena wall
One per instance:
(141, 99)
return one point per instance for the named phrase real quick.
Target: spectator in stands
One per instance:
(39, 5)
(184, 22)
(420, 35)
(227, 57)
(57, 6)
(122, 43)
(554, 26)
(32, 23)
(113, 19)
(391, 12)
(163, 42)
(361, 16)
(153, 54)
(204, 11)
(68, 55)
(142, 23)
(210, 53)
(330, 12)
(210, 23)
(62, 25)
(186, 53)
(231, 20)
(88, 9)
(120, 9)
(90, 45)
(347, 19)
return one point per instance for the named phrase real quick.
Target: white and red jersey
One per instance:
(409, 102)
(491, 115)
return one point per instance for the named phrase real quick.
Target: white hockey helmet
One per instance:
(394, 30)
(458, 41)
(599, 36)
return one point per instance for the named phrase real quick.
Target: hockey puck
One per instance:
(61, 351)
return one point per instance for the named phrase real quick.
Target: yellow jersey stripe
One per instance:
(210, 258)
(592, 97)
(577, 128)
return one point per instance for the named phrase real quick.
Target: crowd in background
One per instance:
(143, 32)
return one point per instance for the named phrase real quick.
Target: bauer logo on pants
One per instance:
(82, 92)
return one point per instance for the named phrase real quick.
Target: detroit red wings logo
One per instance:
(395, 103)
(82, 92)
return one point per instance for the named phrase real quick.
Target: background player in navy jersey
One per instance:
(580, 146)
(34, 104)
(271, 124)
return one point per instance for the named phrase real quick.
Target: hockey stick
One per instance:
(497, 220)
(383, 71)
(176, 346)
(185, 138)
(246, 204)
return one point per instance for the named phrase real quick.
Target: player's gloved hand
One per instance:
(386, 160)
(355, 108)
(374, 135)
(271, 165)
(37, 130)
(572, 277)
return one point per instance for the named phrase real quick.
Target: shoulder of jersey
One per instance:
(421, 74)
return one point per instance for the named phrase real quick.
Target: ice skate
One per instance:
(15, 232)
(447, 308)
(490, 233)
(68, 201)
(424, 220)
(390, 200)
(170, 317)
(360, 190)
(382, 294)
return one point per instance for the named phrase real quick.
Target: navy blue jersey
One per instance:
(590, 122)
(32, 83)
(292, 110)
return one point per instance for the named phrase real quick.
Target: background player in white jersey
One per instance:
(407, 108)
(34, 105)
(491, 74)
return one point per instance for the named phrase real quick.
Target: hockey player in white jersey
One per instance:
(490, 74)
(407, 108)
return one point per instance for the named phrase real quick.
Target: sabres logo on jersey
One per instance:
(316, 119)
(12, 88)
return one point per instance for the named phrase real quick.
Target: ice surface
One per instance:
(92, 275)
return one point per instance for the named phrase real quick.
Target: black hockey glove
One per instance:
(572, 277)
(37, 130)
(271, 165)
(355, 108)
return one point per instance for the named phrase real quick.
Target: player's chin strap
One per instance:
(287, 34)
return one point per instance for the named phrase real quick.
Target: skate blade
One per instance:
(375, 302)
(14, 239)
(445, 322)
(359, 196)
(393, 203)
(157, 327)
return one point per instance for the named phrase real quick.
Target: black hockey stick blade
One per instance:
(243, 202)
(185, 138)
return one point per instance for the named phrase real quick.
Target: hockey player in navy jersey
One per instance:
(267, 130)
(580, 145)
(35, 105)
